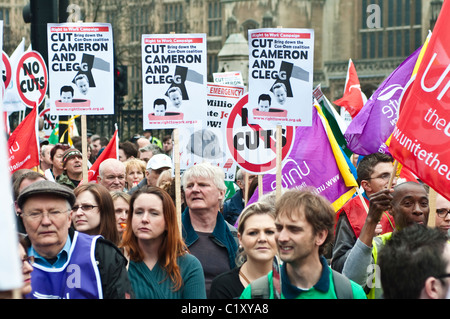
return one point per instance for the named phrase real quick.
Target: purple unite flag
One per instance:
(370, 129)
(316, 162)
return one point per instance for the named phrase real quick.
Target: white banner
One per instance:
(81, 64)
(281, 65)
(10, 263)
(208, 143)
(174, 80)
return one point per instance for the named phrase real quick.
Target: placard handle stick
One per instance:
(246, 189)
(279, 149)
(432, 204)
(84, 147)
(176, 161)
(260, 186)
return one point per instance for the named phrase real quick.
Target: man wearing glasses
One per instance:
(374, 172)
(443, 214)
(64, 266)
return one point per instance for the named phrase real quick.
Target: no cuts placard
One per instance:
(253, 146)
(32, 78)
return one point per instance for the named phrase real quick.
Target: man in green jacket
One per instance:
(304, 227)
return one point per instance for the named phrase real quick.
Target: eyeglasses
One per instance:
(443, 276)
(442, 212)
(385, 177)
(29, 260)
(53, 215)
(84, 208)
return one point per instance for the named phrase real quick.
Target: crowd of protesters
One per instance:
(121, 236)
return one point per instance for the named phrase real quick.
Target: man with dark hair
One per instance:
(127, 150)
(374, 172)
(66, 94)
(408, 204)
(415, 264)
(264, 101)
(304, 228)
(160, 107)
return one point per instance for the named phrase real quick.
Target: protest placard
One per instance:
(253, 146)
(81, 61)
(31, 78)
(174, 80)
(200, 143)
(281, 76)
(228, 78)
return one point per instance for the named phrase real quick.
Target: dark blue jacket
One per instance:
(233, 207)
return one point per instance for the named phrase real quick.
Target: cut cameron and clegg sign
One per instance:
(422, 136)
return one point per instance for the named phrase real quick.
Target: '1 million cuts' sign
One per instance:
(252, 146)
(32, 78)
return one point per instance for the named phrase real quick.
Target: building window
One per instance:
(139, 20)
(214, 19)
(4, 15)
(391, 29)
(173, 18)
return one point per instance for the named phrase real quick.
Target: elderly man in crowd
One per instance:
(64, 267)
(209, 237)
(111, 174)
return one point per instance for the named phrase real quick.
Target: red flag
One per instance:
(353, 99)
(111, 151)
(23, 144)
(421, 138)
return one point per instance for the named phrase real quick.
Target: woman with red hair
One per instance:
(160, 265)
